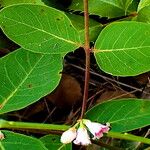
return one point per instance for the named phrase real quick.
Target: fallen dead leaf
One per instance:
(67, 93)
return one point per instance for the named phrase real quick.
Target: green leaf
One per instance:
(144, 15)
(39, 28)
(25, 77)
(52, 142)
(15, 141)
(78, 22)
(5, 3)
(104, 8)
(144, 11)
(143, 3)
(133, 6)
(123, 49)
(51, 3)
(123, 115)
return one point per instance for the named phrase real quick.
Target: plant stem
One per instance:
(52, 127)
(87, 54)
(31, 126)
(127, 136)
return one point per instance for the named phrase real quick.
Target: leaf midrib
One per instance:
(35, 28)
(12, 94)
(119, 49)
(124, 119)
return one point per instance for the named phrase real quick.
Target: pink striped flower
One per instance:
(96, 129)
(79, 134)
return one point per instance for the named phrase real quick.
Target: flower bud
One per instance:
(68, 136)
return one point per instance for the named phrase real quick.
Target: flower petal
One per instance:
(96, 129)
(68, 136)
(82, 137)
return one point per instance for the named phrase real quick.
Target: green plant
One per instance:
(45, 35)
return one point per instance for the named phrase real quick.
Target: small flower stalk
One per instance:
(79, 133)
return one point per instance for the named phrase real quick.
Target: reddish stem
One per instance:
(87, 53)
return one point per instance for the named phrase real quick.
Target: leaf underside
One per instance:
(52, 142)
(15, 141)
(25, 77)
(143, 3)
(39, 28)
(143, 15)
(123, 49)
(123, 115)
(5, 3)
(104, 8)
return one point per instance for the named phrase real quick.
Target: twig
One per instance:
(87, 53)
(109, 79)
(139, 143)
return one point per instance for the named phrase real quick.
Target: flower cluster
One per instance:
(80, 135)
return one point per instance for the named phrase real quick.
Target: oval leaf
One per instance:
(25, 77)
(5, 3)
(123, 115)
(123, 49)
(17, 141)
(103, 8)
(39, 28)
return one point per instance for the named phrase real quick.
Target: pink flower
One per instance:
(82, 137)
(1, 136)
(96, 129)
(68, 136)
